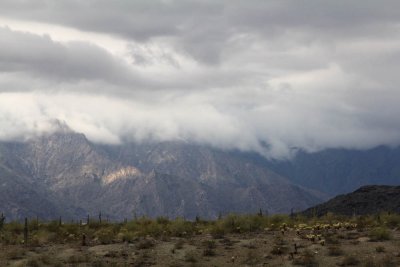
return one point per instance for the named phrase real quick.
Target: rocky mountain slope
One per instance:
(371, 199)
(64, 174)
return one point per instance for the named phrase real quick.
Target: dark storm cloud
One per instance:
(233, 74)
(41, 56)
(203, 27)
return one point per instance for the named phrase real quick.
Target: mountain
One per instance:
(365, 200)
(63, 174)
(338, 171)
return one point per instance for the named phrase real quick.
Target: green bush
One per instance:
(126, 236)
(181, 228)
(391, 220)
(14, 227)
(105, 235)
(380, 234)
(217, 231)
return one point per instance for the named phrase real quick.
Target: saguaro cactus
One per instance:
(84, 239)
(2, 220)
(26, 232)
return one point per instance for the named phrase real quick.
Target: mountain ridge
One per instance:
(366, 200)
(164, 179)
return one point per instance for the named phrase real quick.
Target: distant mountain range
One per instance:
(371, 199)
(338, 171)
(63, 174)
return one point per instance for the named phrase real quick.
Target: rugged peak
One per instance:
(61, 126)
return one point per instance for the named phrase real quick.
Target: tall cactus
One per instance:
(26, 232)
(2, 220)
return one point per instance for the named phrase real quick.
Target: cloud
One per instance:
(42, 57)
(265, 77)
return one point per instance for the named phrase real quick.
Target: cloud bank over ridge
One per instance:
(266, 76)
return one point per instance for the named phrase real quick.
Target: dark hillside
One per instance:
(371, 199)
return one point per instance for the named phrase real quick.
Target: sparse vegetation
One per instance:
(233, 240)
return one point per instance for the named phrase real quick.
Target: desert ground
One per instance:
(235, 240)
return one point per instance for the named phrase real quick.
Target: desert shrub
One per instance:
(72, 229)
(275, 221)
(162, 220)
(329, 217)
(364, 222)
(278, 250)
(181, 228)
(252, 258)
(350, 260)
(179, 244)
(280, 247)
(380, 249)
(77, 258)
(52, 226)
(33, 262)
(234, 223)
(145, 244)
(10, 238)
(379, 234)
(144, 227)
(307, 258)
(191, 256)
(217, 231)
(43, 237)
(38, 261)
(105, 235)
(47, 259)
(33, 225)
(125, 236)
(391, 220)
(352, 235)
(95, 225)
(209, 252)
(229, 223)
(14, 227)
(16, 254)
(254, 223)
(151, 229)
(335, 251)
(99, 263)
(331, 239)
(369, 262)
(387, 261)
(209, 244)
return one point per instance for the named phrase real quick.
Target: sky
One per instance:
(260, 75)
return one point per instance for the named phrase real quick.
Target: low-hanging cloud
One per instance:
(266, 77)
